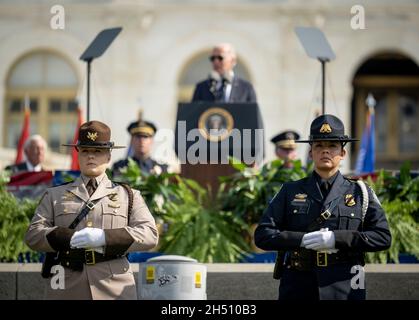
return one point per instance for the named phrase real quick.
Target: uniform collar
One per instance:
(78, 187)
(320, 180)
(313, 188)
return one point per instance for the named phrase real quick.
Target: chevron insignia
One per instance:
(325, 128)
(92, 135)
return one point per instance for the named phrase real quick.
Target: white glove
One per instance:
(319, 240)
(88, 238)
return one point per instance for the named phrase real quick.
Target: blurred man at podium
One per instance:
(222, 84)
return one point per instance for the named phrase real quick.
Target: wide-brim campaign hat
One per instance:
(94, 134)
(327, 127)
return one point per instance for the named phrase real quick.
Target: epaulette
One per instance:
(351, 178)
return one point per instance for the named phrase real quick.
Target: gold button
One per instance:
(89, 223)
(296, 263)
(295, 211)
(125, 269)
(115, 211)
(65, 210)
(67, 264)
(352, 214)
(67, 252)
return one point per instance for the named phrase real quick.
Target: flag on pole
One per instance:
(25, 131)
(74, 158)
(366, 156)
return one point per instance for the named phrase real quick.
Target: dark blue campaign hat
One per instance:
(327, 127)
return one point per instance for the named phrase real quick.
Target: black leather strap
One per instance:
(89, 206)
(318, 222)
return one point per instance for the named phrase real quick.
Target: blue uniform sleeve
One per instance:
(270, 234)
(375, 235)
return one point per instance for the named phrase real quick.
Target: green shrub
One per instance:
(195, 224)
(15, 217)
(399, 196)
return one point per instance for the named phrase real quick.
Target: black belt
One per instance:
(76, 258)
(304, 259)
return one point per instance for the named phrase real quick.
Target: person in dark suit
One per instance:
(34, 148)
(142, 135)
(222, 85)
(320, 226)
(285, 147)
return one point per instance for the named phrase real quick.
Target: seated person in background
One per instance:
(285, 147)
(142, 138)
(34, 148)
(223, 85)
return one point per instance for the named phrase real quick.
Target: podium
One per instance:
(207, 133)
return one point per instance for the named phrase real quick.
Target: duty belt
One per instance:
(76, 258)
(305, 259)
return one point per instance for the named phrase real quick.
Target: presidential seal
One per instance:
(215, 124)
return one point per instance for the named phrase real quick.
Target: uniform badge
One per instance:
(300, 197)
(92, 136)
(114, 205)
(68, 196)
(113, 196)
(349, 200)
(325, 128)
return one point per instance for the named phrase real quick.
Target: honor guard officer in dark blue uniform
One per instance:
(322, 225)
(285, 147)
(142, 135)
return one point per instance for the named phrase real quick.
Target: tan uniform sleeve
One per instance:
(140, 235)
(142, 226)
(41, 225)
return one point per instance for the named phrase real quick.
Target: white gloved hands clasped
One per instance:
(88, 238)
(319, 240)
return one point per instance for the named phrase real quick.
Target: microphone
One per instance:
(214, 77)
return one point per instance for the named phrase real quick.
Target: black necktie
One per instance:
(91, 186)
(324, 187)
(219, 93)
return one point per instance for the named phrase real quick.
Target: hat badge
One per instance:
(92, 136)
(290, 136)
(325, 128)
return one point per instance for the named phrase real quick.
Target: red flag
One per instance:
(74, 158)
(25, 132)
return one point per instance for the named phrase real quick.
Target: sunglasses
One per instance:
(212, 58)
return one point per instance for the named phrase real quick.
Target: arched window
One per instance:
(393, 80)
(51, 84)
(197, 69)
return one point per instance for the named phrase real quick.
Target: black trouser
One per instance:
(298, 285)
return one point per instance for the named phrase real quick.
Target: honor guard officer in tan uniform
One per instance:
(322, 225)
(88, 226)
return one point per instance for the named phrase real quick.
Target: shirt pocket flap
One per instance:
(349, 219)
(300, 207)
